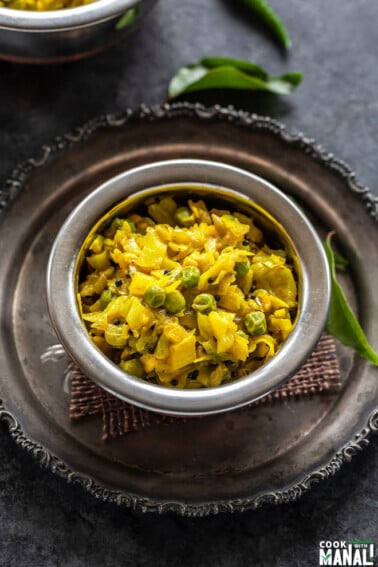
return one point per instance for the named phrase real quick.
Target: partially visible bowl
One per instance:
(242, 189)
(67, 34)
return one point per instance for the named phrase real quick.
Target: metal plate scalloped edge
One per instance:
(16, 182)
(293, 492)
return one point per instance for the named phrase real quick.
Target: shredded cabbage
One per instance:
(185, 343)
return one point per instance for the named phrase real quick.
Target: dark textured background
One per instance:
(45, 523)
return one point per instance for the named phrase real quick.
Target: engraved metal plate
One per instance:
(235, 461)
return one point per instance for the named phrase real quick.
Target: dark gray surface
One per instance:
(43, 522)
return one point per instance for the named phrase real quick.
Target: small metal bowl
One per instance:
(211, 180)
(68, 34)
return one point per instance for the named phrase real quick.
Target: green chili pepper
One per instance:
(204, 303)
(190, 276)
(154, 296)
(106, 298)
(255, 323)
(174, 302)
(242, 268)
(184, 217)
(131, 225)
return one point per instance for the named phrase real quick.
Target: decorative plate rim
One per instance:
(15, 183)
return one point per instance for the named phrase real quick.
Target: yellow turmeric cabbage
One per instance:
(186, 297)
(42, 5)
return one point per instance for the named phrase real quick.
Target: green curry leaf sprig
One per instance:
(228, 73)
(341, 322)
(271, 19)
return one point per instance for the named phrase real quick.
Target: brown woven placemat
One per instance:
(320, 373)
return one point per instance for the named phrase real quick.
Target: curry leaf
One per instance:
(127, 19)
(227, 73)
(271, 19)
(339, 260)
(341, 322)
(247, 66)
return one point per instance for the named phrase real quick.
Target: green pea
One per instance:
(184, 217)
(204, 303)
(133, 367)
(242, 268)
(106, 298)
(255, 323)
(154, 296)
(174, 302)
(190, 276)
(116, 225)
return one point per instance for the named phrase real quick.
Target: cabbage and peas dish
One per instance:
(42, 5)
(186, 296)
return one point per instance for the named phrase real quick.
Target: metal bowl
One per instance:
(68, 34)
(212, 180)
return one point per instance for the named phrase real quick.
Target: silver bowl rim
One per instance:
(64, 313)
(65, 19)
